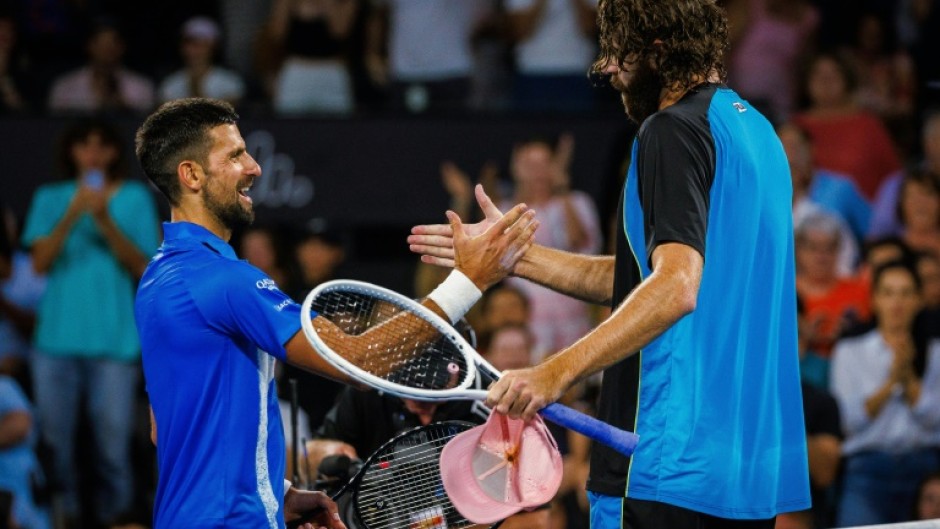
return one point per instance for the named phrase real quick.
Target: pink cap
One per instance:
(501, 467)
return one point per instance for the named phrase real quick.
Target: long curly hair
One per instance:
(693, 35)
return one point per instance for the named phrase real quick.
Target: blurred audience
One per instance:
(569, 221)
(93, 233)
(890, 409)
(20, 472)
(262, 247)
(319, 256)
(833, 303)
(103, 84)
(887, 81)
(200, 77)
(834, 193)
(919, 210)
(510, 347)
(885, 206)
(422, 51)
(314, 39)
(846, 138)
(500, 306)
(555, 42)
(769, 41)
(20, 291)
(928, 498)
(928, 267)
(16, 89)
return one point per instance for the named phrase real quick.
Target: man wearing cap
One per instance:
(699, 353)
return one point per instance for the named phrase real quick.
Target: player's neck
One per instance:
(671, 95)
(201, 217)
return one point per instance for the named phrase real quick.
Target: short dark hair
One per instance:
(177, 131)
(895, 265)
(80, 131)
(888, 240)
(694, 35)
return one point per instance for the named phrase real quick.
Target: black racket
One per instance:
(399, 485)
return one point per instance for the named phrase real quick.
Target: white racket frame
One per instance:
(472, 358)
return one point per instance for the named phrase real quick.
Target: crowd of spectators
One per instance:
(850, 86)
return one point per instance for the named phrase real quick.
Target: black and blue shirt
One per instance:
(716, 398)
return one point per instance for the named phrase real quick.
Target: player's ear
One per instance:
(190, 175)
(656, 54)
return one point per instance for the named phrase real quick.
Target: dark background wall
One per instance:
(373, 177)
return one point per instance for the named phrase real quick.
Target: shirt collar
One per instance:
(187, 232)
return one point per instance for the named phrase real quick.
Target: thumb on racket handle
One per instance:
(304, 518)
(620, 440)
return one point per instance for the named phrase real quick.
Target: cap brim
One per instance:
(461, 485)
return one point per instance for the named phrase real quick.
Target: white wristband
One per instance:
(455, 295)
(287, 486)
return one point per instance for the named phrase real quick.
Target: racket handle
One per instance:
(620, 440)
(304, 518)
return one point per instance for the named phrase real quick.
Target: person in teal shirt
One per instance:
(92, 233)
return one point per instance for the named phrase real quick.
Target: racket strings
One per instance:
(403, 487)
(395, 344)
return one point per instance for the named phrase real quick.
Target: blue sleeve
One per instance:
(243, 302)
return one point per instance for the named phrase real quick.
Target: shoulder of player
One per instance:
(670, 121)
(207, 271)
(673, 127)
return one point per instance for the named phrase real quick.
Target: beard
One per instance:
(641, 96)
(231, 213)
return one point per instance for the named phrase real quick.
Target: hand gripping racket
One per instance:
(398, 346)
(399, 485)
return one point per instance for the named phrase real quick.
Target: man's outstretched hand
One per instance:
(435, 242)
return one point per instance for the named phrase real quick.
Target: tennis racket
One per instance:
(398, 346)
(399, 485)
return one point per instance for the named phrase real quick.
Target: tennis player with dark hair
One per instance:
(212, 327)
(700, 351)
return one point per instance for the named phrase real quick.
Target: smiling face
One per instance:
(230, 172)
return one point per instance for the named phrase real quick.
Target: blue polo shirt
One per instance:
(211, 327)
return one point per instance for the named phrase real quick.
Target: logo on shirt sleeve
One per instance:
(267, 284)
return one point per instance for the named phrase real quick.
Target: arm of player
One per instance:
(656, 304)
(484, 259)
(586, 277)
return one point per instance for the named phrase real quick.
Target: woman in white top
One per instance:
(889, 396)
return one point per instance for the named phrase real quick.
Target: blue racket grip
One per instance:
(620, 440)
